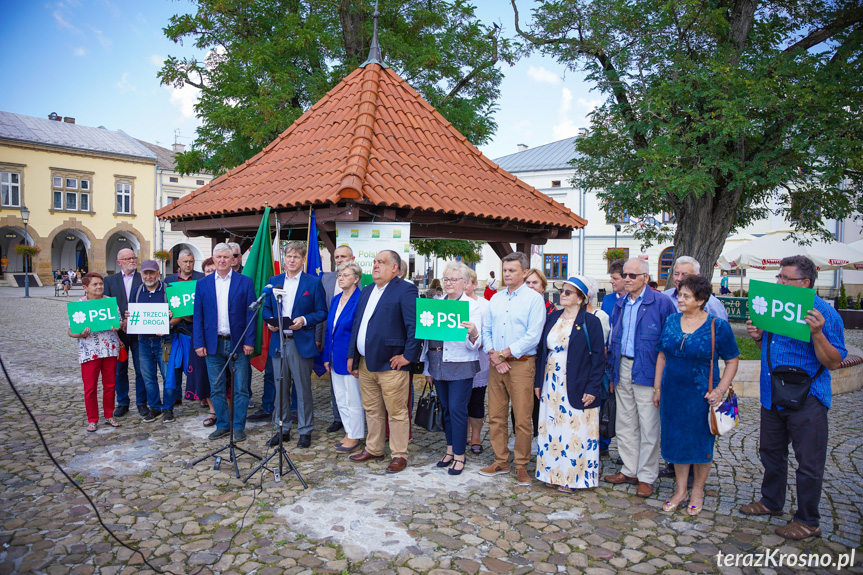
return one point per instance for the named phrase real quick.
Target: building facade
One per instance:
(90, 191)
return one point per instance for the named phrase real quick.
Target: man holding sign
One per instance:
(821, 347)
(181, 320)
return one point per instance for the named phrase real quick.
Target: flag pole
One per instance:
(308, 239)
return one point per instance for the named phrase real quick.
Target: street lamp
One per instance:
(616, 229)
(162, 242)
(25, 217)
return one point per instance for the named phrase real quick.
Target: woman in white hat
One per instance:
(570, 365)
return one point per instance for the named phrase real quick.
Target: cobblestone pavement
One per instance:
(353, 518)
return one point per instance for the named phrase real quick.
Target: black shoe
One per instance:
(274, 440)
(219, 433)
(667, 471)
(167, 416)
(143, 410)
(260, 415)
(152, 416)
(619, 461)
(305, 440)
(121, 410)
(239, 435)
(335, 426)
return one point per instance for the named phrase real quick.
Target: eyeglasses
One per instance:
(348, 275)
(681, 274)
(785, 278)
(567, 292)
(236, 255)
(134, 258)
(632, 276)
(452, 280)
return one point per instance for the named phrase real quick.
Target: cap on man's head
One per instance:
(150, 265)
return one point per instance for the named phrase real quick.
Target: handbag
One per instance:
(608, 417)
(123, 355)
(429, 413)
(725, 416)
(789, 384)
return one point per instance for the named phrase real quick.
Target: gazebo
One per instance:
(372, 149)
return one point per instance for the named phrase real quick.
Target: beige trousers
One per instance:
(516, 386)
(385, 392)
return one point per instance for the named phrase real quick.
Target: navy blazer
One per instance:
(309, 303)
(391, 327)
(338, 335)
(205, 320)
(114, 288)
(584, 369)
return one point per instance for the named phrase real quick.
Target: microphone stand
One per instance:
(231, 446)
(280, 451)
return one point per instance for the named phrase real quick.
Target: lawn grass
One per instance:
(748, 349)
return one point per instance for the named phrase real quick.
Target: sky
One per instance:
(96, 61)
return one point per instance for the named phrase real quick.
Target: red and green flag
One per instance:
(259, 268)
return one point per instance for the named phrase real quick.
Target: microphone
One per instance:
(260, 301)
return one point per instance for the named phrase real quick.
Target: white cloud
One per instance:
(61, 21)
(543, 75)
(124, 85)
(79, 51)
(157, 60)
(101, 38)
(110, 7)
(567, 126)
(184, 100)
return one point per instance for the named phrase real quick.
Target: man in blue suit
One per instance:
(300, 299)
(222, 302)
(120, 286)
(381, 351)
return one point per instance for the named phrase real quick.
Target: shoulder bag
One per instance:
(724, 417)
(789, 384)
(429, 413)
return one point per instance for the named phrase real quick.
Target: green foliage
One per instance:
(612, 254)
(748, 349)
(843, 297)
(859, 301)
(469, 251)
(712, 110)
(268, 61)
(737, 293)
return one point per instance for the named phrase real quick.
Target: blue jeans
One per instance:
(454, 397)
(242, 383)
(122, 379)
(150, 356)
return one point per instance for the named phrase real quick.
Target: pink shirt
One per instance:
(127, 283)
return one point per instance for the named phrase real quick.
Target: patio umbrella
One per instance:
(858, 245)
(733, 243)
(767, 251)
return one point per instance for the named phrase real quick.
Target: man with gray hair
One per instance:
(686, 266)
(236, 257)
(636, 325)
(181, 327)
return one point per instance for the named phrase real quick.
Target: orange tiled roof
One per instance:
(373, 138)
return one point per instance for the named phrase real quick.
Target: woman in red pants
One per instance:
(97, 353)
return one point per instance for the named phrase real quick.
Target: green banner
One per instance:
(97, 314)
(736, 307)
(439, 319)
(181, 298)
(781, 308)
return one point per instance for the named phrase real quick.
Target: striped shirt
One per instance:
(788, 351)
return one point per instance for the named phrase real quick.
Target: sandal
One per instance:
(797, 530)
(453, 469)
(210, 421)
(671, 507)
(91, 426)
(758, 508)
(564, 489)
(476, 448)
(446, 460)
(110, 421)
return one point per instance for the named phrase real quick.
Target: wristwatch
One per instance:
(501, 357)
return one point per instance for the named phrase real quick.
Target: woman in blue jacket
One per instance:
(346, 387)
(570, 365)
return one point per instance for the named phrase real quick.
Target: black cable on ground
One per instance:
(93, 504)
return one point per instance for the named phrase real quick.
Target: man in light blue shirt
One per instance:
(510, 333)
(686, 266)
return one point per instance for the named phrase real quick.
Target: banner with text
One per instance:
(440, 319)
(181, 298)
(781, 308)
(366, 239)
(97, 314)
(148, 318)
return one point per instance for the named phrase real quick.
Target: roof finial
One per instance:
(375, 50)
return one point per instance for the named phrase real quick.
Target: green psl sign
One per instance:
(181, 298)
(440, 319)
(781, 308)
(97, 314)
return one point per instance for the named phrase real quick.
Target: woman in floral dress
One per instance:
(570, 366)
(97, 353)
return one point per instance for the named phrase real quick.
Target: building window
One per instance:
(173, 180)
(616, 214)
(124, 198)
(199, 182)
(171, 200)
(667, 218)
(666, 263)
(71, 192)
(556, 267)
(800, 210)
(625, 257)
(736, 272)
(10, 190)
(555, 183)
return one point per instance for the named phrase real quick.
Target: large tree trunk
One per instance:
(352, 19)
(703, 225)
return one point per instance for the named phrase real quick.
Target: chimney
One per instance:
(582, 132)
(178, 148)
(54, 116)
(69, 120)
(522, 147)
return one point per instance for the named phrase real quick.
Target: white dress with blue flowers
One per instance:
(568, 450)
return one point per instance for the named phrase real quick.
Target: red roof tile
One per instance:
(373, 138)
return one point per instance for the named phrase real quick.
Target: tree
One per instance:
(712, 107)
(269, 60)
(469, 251)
